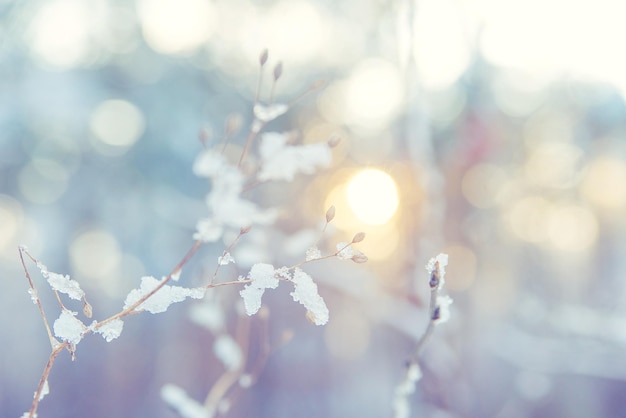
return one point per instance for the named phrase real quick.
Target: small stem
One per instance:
(256, 127)
(53, 341)
(429, 328)
(227, 250)
(44, 377)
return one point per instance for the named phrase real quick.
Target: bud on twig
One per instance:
(318, 84)
(334, 140)
(330, 214)
(278, 70)
(233, 124)
(359, 258)
(87, 309)
(263, 57)
(358, 237)
(245, 230)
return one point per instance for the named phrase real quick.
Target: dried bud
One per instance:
(358, 237)
(87, 309)
(278, 70)
(359, 258)
(203, 136)
(263, 57)
(434, 277)
(245, 230)
(318, 84)
(334, 140)
(330, 213)
(233, 124)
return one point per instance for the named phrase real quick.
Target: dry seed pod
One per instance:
(278, 70)
(334, 140)
(359, 258)
(358, 237)
(87, 309)
(263, 57)
(330, 213)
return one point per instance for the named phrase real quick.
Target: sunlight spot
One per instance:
(372, 196)
(176, 26)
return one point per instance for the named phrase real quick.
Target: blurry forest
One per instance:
(500, 126)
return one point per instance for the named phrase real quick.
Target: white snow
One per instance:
(163, 298)
(185, 406)
(281, 161)
(313, 253)
(109, 331)
(64, 284)
(267, 113)
(305, 292)
(262, 276)
(69, 328)
(225, 259)
(228, 352)
(346, 252)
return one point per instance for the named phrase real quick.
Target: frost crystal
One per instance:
(44, 390)
(228, 352)
(262, 276)
(443, 305)
(65, 285)
(282, 162)
(227, 208)
(345, 251)
(400, 404)
(442, 260)
(207, 230)
(33, 295)
(268, 113)
(306, 293)
(69, 328)
(163, 298)
(225, 259)
(186, 407)
(313, 253)
(109, 331)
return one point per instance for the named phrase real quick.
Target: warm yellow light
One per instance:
(372, 196)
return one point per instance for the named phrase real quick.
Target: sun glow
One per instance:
(372, 196)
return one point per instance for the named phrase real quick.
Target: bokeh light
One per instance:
(373, 94)
(176, 26)
(59, 33)
(95, 256)
(441, 48)
(373, 196)
(117, 123)
(604, 183)
(43, 180)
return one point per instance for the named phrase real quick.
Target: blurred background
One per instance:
(493, 131)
